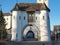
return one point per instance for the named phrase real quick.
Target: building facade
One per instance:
(8, 22)
(7, 17)
(57, 32)
(31, 21)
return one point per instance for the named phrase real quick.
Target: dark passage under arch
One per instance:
(30, 34)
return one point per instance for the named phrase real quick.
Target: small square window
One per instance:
(24, 17)
(48, 17)
(14, 17)
(19, 17)
(43, 17)
(36, 18)
(7, 18)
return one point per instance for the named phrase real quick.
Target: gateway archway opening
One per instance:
(30, 35)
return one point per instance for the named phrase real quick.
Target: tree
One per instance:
(3, 33)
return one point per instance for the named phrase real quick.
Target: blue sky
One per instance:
(54, 6)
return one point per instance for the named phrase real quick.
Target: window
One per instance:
(36, 18)
(24, 17)
(48, 16)
(16, 35)
(6, 23)
(14, 17)
(30, 18)
(19, 17)
(7, 18)
(43, 17)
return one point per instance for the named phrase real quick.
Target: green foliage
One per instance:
(3, 33)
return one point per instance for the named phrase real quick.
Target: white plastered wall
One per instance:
(18, 23)
(37, 22)
(8, 21)
(44, 26)
(14, 25)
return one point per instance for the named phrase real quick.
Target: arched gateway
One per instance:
(30, 32)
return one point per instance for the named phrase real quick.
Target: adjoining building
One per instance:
(8, 20)
(52, 36)
(57, 32)
(7, 17)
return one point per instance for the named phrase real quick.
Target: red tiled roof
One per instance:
(6, 14)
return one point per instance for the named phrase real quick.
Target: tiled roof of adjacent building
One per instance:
(56, 27)
(6, 14)
(30, 7)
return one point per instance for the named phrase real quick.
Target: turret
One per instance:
(19, 20)
(45, 26)
(16, 24)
